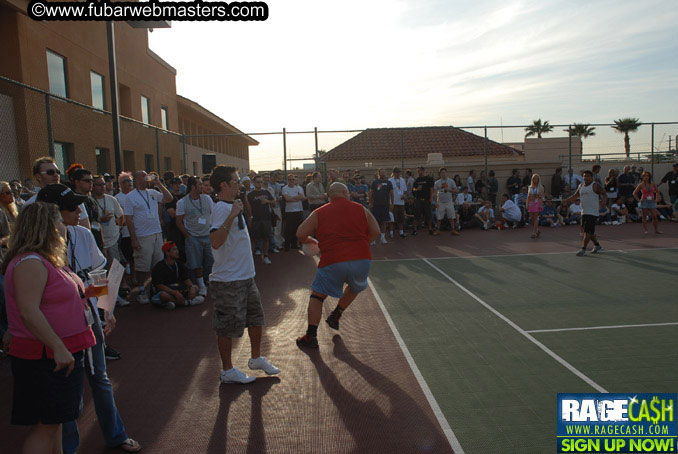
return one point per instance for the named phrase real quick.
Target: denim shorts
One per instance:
(330, 279)
(199, 252)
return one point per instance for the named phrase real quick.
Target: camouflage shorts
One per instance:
(237, 305)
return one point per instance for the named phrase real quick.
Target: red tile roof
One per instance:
(385, 143)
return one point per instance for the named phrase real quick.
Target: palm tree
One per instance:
(581, 130)
(624, 126)
(538, 128)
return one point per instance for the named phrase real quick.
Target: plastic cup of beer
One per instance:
(100, 282)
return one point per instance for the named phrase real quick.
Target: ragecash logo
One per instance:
(617, 423)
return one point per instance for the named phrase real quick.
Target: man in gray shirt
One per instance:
(445, 190)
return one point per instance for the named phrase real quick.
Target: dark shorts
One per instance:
(261, 229)
(380, 213)
(422, 208)
(126, 249)
(588, 223)
(237, 305)
(399, 214)
(44, 396)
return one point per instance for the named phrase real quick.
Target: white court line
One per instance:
(531, 338)
(444, 425)
(573, 252)
(586, 328)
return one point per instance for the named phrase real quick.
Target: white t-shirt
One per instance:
(82, 252)
(83, 210)
(124, 231)
(616, 208)
(291, 207)
(399, 189)
(445, 190)
(511, 211)
(470, 184)
(110, 230)
(233, 261)
(143, 205)
(461, 198)
(482, 210)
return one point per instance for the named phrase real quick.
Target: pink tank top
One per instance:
(62, 306)
(647, 194)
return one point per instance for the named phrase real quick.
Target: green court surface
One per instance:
(495, 374)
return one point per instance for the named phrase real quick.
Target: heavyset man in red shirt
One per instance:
(344, 230)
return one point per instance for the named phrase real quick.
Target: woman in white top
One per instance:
(535, 195)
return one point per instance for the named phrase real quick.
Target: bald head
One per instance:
(338, 190)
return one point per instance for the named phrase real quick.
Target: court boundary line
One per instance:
(527, 335)
(442, 421)
(623, 251)
(588, 328)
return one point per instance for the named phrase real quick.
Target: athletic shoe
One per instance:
(581, 253)
(235, 376)
(597, 249)
(142, 298)
(195, 301)
(332, 321)
(168, 305)
(261, 363)
(111, 354)
(373, 243)
(383, 241)
(455, 232)
(275, 250)
(403, 235)
(414, 233)
(306, 341)
(121, 302)
(202, 291)
(257, 252)
(391, 234)
(266, 260)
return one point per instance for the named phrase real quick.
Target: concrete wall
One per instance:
(550, 149)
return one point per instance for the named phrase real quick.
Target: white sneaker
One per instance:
(121, 302)
(142, 298)
(257, 252)
(597, 249)
(261, 363)
(197, 300)
(202, 291)
(235, 376)
(275, 250)
(383, 240)
(373, 243)
(391, 234)
(266, 260)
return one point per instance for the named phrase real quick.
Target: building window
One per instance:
(61, 156)
(128, 157)
(168, 164)
(145, 110)
(148, 162)
(56, 71)
(98, 98)
(102, 160)
(209, 162)
(163, 117)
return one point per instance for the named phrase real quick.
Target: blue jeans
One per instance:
(104, 403)
(199, 254)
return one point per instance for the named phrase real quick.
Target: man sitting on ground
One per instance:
(485, 215)
(171, 284)
(467, 218)
(574, 212)
(549, 215)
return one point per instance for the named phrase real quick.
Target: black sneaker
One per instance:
(111, 354)
(306, 341)
(332, 321)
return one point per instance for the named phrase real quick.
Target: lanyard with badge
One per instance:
(147, 200)
(201, 219)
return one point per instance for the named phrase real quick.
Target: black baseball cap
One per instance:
(62, 196)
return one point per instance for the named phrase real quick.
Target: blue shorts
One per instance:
(330, 280)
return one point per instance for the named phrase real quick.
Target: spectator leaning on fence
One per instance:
(193, 220)
(141, 212)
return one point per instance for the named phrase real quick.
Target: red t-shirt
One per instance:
(342, 232)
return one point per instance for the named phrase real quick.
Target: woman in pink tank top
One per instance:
(647, 191)
(49, 328)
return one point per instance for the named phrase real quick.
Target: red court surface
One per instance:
(357, 394)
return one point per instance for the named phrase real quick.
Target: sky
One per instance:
(349, 64)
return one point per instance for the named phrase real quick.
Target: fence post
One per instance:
(569, 153)
(183, 149)
(285, 153)
(315, 132)
(402, 149)
(157, 151)
(652, 151)
(113, 83)
(48, 115)
(485, 152)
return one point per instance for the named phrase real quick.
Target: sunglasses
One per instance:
(51, 172)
